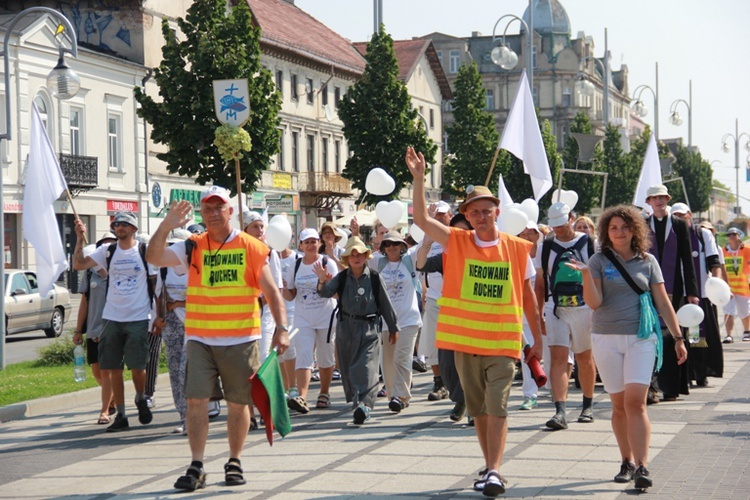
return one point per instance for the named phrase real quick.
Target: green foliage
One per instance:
(59, 352)
(697, 174)
(215, 46)
(588, 187)
(379, 122)
(623, 169)
(472, 138)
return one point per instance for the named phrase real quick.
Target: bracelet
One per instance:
(679, 339)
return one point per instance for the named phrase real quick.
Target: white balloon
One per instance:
(278, 217)
(717, 291)
(570, 198)
(344, 238)
(379, 183)
(514, 219)
(531, 209)
(416, 233)
(279, 234)
(389, 213)
(89, 249)
(690, 315)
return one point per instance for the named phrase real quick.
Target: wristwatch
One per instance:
(283, 327)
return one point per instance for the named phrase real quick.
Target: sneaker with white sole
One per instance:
(529, 404)
(361, 414)
(494, 485)
(746, 337)
(214, 409)
(728, 340)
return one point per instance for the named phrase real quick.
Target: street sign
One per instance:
(231, 101)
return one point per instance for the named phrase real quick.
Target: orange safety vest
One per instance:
(481, 310)
(224, 286)
(737, 264)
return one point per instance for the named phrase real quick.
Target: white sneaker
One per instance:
(214, 409)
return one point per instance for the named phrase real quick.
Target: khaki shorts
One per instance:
(572, 329)
(232, 364)
(124, 341)
(486, 381)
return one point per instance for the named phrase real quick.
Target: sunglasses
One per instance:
(119, 223)
(387, 244)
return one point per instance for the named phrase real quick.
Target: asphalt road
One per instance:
(24, 346)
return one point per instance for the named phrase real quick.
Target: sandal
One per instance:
(253, 424)
(298, 404)
(233, 473)
(193, 479)
(324, 401)
(112, 411)
(103, 419)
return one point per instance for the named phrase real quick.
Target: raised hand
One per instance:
(179, 214)
(415, 162)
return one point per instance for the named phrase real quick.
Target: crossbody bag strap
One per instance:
(628, 279)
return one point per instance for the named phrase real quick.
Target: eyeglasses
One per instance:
(120, 223)
(213, 210)
(387, 244)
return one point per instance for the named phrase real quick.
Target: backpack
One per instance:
(142, 251)
(563, 284)
(409, 267)
(298, 262)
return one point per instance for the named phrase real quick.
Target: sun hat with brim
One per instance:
(127, 217)
(196, 229)
(330, 225)
(737, 231)
(355, 243)
(707, 225)
(105, 237)
(215, 191)
(474, 193)
(658, 190)
(559, 214)
(308, 233)
(680, 208)
(392, 237)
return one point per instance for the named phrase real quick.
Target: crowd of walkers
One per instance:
(473, 304)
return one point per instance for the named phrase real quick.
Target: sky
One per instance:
(706, 42)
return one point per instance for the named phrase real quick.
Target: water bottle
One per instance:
(694, 334)
(79, 372)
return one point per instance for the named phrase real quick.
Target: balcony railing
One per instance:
(324, 183)
(81, 172)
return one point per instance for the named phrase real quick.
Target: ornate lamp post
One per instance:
(63, 82)
(640, 109)
(504, 56)
(675, 118)
(737, 137)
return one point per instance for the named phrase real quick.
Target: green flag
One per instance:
(267, 391)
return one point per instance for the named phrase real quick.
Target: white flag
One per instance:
(44, 184)
(505, 200)
(522, 137)
(650, 175)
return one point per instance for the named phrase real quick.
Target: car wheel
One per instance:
(56, 325)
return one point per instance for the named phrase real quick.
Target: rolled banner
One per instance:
(537, 372)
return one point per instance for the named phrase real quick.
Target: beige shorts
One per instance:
(572, 329)
(486, 381)
(232, 364)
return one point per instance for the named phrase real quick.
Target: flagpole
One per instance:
(492, 166)
(75, 212)
(239, 191)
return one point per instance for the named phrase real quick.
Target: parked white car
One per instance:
(26, 310)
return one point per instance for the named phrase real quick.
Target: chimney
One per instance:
(476, 34)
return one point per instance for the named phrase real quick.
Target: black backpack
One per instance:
(566, 287)
(142, 251)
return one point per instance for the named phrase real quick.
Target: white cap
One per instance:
(558, 214)
(217, 191)
(680, 208)
(308, 233)
(250, 216)
(442, 207)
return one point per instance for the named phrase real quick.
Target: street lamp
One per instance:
(725, 147)
(639, 108)
(584, 86)
(675, 118)
(504, 56)
(63, 82)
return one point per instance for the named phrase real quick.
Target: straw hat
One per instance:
(332, 227)
(474, 193)
(355, 243)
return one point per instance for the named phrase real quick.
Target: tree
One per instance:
(587, 186)
(472, 138)
(216, 46)
(379, 122)
(623, 169)
(696, 173)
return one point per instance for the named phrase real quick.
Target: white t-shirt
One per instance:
(310, 309)
(286, 263)
(179, 250)
(176, 286)
(127, 295)
(400, 287)
(434, 280)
